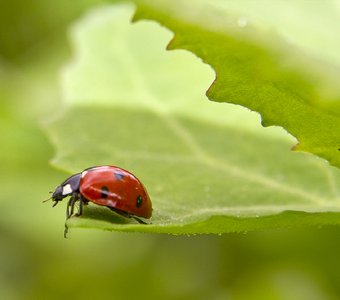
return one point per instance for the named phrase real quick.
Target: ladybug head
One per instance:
(58, 195)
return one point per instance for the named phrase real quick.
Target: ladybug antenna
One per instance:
(47, 199)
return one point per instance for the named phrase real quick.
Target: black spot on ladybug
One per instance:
(104, 192)
(139, 201)
(119, 176)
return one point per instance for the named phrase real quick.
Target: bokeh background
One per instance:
(36, 262)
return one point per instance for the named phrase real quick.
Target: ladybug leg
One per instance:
(65, 231)
(127, 215)
(69, 212)
(138, 220)
(70, 205)
(82, 201)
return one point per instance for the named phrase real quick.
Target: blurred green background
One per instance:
(36, 262)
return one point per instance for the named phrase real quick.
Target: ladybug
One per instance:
(109, 186)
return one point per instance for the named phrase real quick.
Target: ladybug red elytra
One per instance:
(108, 186)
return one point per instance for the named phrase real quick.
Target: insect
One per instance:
(109, 186)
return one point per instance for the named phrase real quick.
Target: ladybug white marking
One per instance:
(67, 189)
(83, 174)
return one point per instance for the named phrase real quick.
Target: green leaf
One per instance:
(268, 56)
(208, 167)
